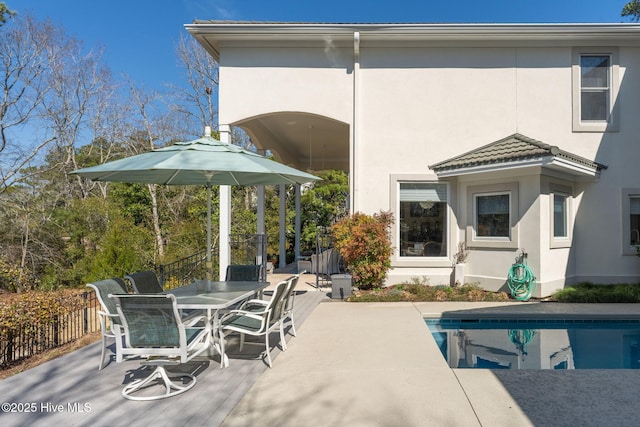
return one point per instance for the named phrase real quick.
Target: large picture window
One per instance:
(634, 220)
(423, 219)
(492, 215)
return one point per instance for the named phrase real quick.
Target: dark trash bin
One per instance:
(341, 286)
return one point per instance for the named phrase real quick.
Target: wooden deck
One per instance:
(71, 391)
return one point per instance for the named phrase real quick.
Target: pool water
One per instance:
(538, 344)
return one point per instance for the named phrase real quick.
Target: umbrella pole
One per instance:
(209, 265)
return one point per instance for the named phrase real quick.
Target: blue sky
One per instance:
(139, 36)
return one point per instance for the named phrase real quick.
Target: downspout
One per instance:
(354, 123)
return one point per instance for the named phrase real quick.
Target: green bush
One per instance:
(591, 293)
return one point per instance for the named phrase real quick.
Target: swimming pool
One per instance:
(538, 344)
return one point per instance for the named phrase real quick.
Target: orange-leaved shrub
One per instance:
(365, 245)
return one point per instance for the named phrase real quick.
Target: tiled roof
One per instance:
(513, 148)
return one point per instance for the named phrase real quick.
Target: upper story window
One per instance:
(595, 87)
(595, 77)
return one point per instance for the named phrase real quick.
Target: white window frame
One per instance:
(627, 194)
(394, 202)
(561, 241)
(611, 124)
(473, 240)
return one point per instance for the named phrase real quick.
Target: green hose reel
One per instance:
(521, 280)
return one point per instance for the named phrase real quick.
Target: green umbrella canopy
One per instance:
(204, 161)
(199, 162)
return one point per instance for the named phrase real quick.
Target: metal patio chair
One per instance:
(154, 330)
(145, 282)
(110, 325)
(240, 272)
(255, 322)
(286, 311)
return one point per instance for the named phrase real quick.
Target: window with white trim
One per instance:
(634, 220)
(423, 219)
(560, 215)
(595, 87)
(492, 215)
(630, 211)
(595, 80)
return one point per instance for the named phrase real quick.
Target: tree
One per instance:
(5, 13)
(323, 203)
(197, 100)
(24, 61)
(632, 10)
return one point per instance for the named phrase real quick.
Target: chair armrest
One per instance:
(258, 315)
(253, 302)
(194, 319)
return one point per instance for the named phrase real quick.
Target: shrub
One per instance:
(32, 320)
(418, 290)
(590, 293)
(365, 246)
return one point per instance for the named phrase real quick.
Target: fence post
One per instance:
(85, 311)
(56, 330)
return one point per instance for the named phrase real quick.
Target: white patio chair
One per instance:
(153, 329)
(257, 322)
(110, 325)
(287, 307)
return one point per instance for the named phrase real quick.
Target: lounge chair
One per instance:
(153, 329)
(255, 322)
(110, 324)
(145, 282)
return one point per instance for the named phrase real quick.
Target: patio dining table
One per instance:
(212, 297)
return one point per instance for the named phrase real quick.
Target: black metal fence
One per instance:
(18, 345)
(186, 270)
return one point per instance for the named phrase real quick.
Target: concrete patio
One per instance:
(372, 364)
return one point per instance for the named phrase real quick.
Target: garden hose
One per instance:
(521, 281)
(521, 337)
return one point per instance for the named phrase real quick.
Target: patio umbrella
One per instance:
(204, 161)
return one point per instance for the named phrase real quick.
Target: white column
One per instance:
(225, 211)
(283, 227)
(260, 208)
(297, 246)
(355, 134)
(260, 229)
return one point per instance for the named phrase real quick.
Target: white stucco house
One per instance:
(510, 138)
